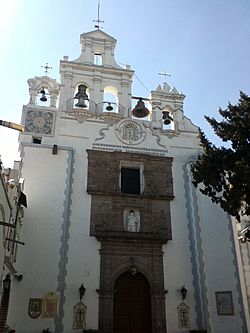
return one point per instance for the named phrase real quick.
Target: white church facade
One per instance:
(112, 209)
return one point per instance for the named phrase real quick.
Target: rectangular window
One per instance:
(130, 181)
(36, 140)
(98, 59)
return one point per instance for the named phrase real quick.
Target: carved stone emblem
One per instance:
(130, 132)
(35, 307)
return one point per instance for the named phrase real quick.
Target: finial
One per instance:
(46, 67)
(165, 76)
(98, 21)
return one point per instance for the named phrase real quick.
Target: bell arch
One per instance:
(110, 98)
(81, 95)
(43, 96)
(168, 119)
(51, 88)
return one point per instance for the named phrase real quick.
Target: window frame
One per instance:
(132, 165)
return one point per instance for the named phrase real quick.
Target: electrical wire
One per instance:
(142, 83)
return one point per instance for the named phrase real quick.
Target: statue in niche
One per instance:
(132, 223)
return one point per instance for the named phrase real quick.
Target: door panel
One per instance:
(132, 305)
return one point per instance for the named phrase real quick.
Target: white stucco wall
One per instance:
(46, 184)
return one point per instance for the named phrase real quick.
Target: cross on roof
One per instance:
(165, 76)
(46, 67)
(98, 21)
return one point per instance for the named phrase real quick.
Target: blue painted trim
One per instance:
(248, 257)
(62, 265)
(237, 277)
(198, 266)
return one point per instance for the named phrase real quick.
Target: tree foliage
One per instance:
(225, 172)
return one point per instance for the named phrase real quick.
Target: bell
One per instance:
(43, 98)
(140, 110)
(109, 107)
(81, 103)
(81, 96)
(166, 117)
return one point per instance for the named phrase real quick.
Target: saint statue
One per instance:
(132, 222)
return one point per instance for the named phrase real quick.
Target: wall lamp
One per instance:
(82, 290)
(19, 277)
(7, 282)
(183, 291)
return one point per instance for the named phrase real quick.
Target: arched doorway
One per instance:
(132, 304)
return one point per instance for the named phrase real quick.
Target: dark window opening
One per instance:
(38, 141)
(130, 181)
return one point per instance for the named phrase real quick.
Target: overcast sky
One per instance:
(204, 45)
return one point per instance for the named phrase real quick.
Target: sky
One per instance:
(204, 45)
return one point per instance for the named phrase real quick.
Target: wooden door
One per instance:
(132, 304)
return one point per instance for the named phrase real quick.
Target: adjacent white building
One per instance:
(112, 208)
(12, 203)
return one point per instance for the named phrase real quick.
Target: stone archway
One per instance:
(132, 304)
(118, 257)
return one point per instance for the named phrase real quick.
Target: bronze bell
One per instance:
(166, 118)
(43, 98)
(140, 110)
(81, 96)
(109, 107)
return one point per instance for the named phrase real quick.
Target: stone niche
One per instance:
(110, 203)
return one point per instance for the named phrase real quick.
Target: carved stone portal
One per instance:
(132, 228)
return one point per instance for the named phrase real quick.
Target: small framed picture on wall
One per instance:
(224, 301)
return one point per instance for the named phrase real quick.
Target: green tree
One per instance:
(224, 173)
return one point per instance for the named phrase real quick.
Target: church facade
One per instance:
(117, 239)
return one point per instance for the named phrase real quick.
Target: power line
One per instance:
(142, 83)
